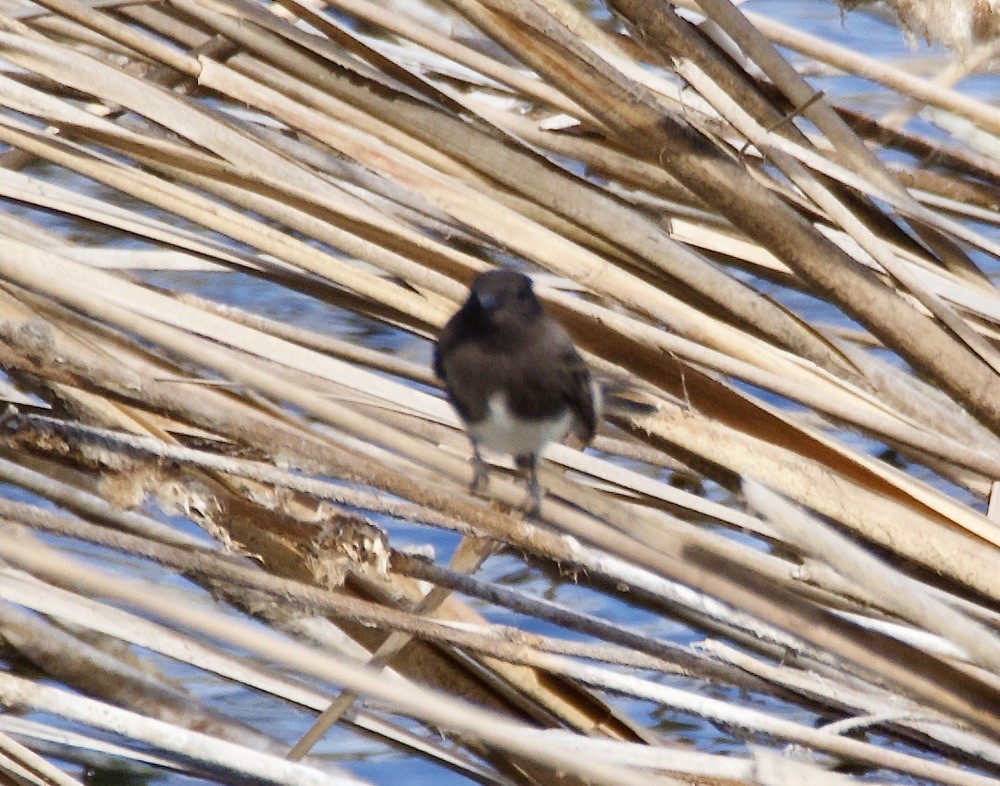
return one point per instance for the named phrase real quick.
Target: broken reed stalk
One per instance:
(123, 626)
(237, 760)
(64, 572)
(427, 160)
(33, 763)
(414, 700)
(156, 640)
(896, 79)
(906, 597)
(763, 217)
(506, 644)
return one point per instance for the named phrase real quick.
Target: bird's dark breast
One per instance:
(474, 374)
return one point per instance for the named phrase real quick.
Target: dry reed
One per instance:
(662, 186)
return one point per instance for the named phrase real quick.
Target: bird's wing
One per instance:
(438, 365)
(454, 357)
(579, 393)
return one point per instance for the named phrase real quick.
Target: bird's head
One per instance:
(505, 294)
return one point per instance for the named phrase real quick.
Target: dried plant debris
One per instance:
(238, 536)
(345, 545)
(956, 24)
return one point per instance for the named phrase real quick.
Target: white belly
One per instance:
(503, 432)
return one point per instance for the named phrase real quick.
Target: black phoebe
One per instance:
(514, 376)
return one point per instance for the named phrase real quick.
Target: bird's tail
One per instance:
(621, 397)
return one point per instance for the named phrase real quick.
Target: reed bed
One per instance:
(786, 574)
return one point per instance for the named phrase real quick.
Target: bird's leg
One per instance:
(480, 473)
(533, 502)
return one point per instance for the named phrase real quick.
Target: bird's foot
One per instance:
(480, 473)
(532, 504)
(533, 501)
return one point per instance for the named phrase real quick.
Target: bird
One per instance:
(514, 376)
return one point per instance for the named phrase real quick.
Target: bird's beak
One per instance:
(487, 301)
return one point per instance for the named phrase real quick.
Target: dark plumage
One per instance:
(512, 373)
